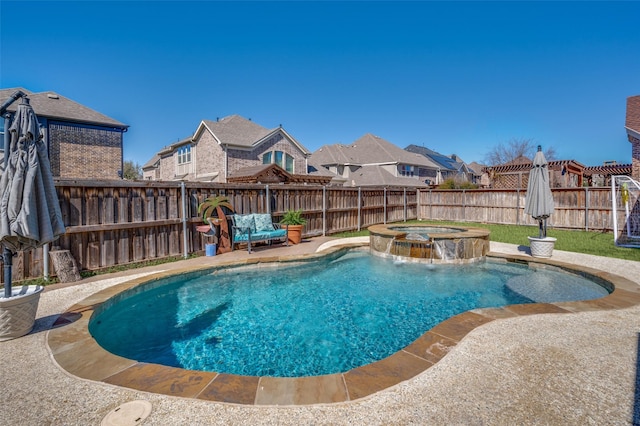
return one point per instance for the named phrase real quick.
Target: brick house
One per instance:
(225, 147)
(632, 125)
(82, 143)
(452, 166)
(374, 161)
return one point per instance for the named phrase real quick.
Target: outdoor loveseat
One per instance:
(255, 227)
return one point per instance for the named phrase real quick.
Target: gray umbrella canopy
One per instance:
(29, 210)
(539, 200)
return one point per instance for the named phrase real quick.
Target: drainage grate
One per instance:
(128, 414)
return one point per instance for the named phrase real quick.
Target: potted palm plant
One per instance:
(212, 213)
(294, 222)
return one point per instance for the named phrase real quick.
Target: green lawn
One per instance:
(598, 243)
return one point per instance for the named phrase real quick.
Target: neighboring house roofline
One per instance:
(248, 145)
(634, 133)
(269, 135)
(201, 128)
(370, 150)
(152, 163)
(54, 106)
(171, 148)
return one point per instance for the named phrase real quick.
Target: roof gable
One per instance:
(369, 149)
(54, 106)
(238, 132)
(233, 130)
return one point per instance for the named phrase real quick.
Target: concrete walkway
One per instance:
(576, 369)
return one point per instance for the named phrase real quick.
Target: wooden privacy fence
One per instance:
(575, 208)
(112, 223)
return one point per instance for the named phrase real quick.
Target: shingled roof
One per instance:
(452, 163)
(54, 106)
(239, 132)
(369, 149)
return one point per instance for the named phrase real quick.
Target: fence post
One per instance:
(384, 204)
(586, 208)
(418, 209)
(324, 210)
(359, 208)
(518, 206)
(614, 211)
(266, 193)
(405, 204)
(464, 205)
(184, 220)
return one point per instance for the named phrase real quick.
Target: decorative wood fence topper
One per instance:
(118, 222)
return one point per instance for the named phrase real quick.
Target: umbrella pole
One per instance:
(8, 261)
(541, 228)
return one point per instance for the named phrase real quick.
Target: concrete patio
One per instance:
(538, 369)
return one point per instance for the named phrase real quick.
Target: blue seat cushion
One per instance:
(258, 236)
(278, 233)
(263, 222)
(245, 221)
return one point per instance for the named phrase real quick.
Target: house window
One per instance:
(288, 163)
(266, 158)
(278, 158)
(184, 154)
(406, 170)
(184, 160)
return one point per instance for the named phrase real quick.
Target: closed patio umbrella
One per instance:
(29, 210)
(539, 200)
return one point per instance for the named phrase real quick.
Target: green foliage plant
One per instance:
(293, 217)
(451, 183)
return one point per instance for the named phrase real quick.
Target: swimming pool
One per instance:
(324, 317)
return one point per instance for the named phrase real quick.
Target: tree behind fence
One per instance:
(112, 223)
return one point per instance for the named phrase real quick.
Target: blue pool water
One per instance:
(321, 318)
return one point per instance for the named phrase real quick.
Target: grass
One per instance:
(596, 243)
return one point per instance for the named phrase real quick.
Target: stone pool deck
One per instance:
(577, 368)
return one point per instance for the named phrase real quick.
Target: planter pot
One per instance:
(541, 247)
(295, 233)
(18, 313)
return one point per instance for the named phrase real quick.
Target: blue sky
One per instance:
(456, 77)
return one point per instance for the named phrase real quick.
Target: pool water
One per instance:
(320, 318)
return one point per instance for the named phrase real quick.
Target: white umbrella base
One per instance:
(18, 313)
(542, 247)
